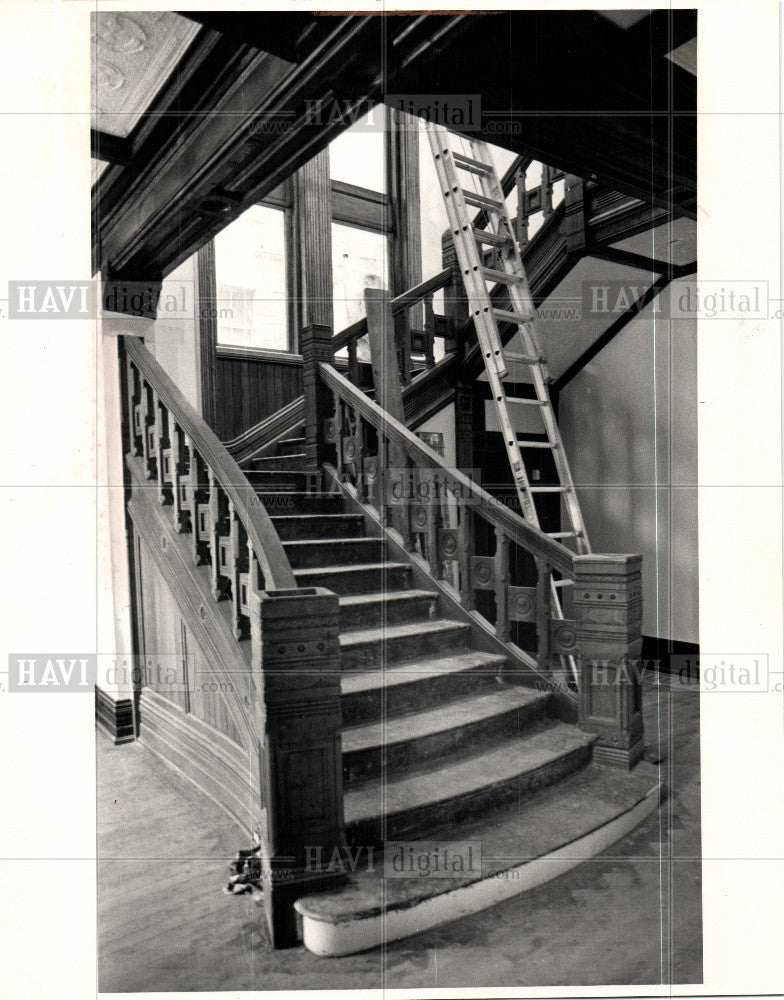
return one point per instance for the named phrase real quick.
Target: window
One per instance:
(252, 281)
(357, 155)
(359, 261)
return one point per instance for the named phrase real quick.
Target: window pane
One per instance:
(357, 156)
(359, 261)
(250, 274)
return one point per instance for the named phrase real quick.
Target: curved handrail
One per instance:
(262, 536)
(518, 530)
(252, 434)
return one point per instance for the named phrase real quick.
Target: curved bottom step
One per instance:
(521, 847)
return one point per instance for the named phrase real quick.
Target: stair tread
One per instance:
(420, 669)
(472, 772)
(510, 835)
(428, 626)
(384, 596)
(353, 568)
(294, 542)
(311, 517)
(462, 711)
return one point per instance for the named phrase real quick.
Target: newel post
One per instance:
(298, 723)
(608, 609)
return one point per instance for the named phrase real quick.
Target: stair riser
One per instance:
(418, 822)
(416, 694)
(363, 581)
(346, 526)
(288, 463)
(312, 554)
(377, 654)
(312, 503)
(361, 764)
(274, 482)
(393, 613)
(291, 446)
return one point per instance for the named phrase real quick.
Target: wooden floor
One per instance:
(165, 925)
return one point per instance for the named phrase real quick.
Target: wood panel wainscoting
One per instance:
(251, 385)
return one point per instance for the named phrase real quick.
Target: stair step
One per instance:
(522, 846)
(294, 527)
(293, 462)
(366, 648)
(291, 445)
(274, 480)
(407, 687)
(384, 607)
(364, 578)
(397, 742)
(409, 806)
(303, 553)
(300, 502)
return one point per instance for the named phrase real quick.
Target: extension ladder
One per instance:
(482, 190)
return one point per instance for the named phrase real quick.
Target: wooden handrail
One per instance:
(272, 420)
(262, 536)
(403, 301)
(518, 530)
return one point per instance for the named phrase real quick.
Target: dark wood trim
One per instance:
(259, 354)
(207, 298)
(625, 318)
(115, 716)
(110, 148)
(669, 656)
(361, 208)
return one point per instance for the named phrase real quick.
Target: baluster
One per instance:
(543, 613)
(339, 434)
(144, 420)
(353, 362)
(465, 534)
(522, 207)
(430, 332)
(218, 550)
(134, 412)
(163, 449)
(235, 570)
(547, 191)
(176, 466)
(197, 495)
(502, 585)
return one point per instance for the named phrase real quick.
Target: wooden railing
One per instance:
(267, 432)
(209, 495)
(443, 516)
(294, 700)
(415, 342)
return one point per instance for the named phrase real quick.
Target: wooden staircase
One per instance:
(436, 744)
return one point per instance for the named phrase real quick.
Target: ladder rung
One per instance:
(523, 359)
(510, 317)
(469, 163)
(563, 583)
(525, 402)
(536, 444)
(548, 489)
(501, 277)
(491, 239)
(482, 201)
(563, 534)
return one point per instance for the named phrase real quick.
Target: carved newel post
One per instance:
(298, 721)
(608, 609)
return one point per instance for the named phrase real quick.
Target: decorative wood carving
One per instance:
(608, 606)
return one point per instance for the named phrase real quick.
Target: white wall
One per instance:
(629, 423)
(175, 334)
